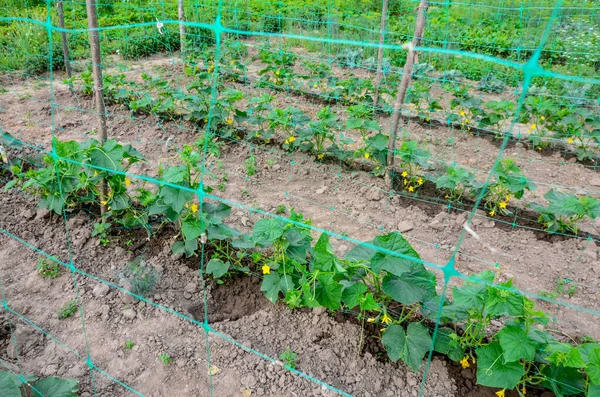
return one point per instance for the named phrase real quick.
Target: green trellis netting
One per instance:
(471, 236)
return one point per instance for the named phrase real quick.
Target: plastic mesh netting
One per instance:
(422, 175)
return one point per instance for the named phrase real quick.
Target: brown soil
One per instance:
(346, 201)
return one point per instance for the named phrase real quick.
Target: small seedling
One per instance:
(245, 193)
(563, 286)
(47, 269)
(271, 163)
(101, 230)
(129, 344)
(250, 165)
(165, 359)
(587, 339)
(280, 209)
(138, 277)
(289, 358)
(68, 310)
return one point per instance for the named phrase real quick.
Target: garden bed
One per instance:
(336, 198)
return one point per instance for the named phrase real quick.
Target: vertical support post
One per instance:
(407, 74)
(63, 36)
(98, 88)
(181, 14)
(384, 12)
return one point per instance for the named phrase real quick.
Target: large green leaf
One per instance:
(286, 283)
(188, 247)
(417, 286)
(10, 141)
(492, 371)
(56, 387)
(119, 202)
(221, 232)
(108, 156)
(324, 258)
(328, 292)
(502, 302)
(360, 253)
(516, 344)
(445, 344)
(371, 125)
(586, 349)
(192, 228)
(368, 302)
(175, 198)
(352, 292)
(298, 244)
(271, 286)
(379, 141)
(267, 230)
(8, 388)
(410, 346)
(217, 268)
(66, 149)
(308, 293)
(470, 296)
(565, 355)
(175, 174)
(160, 207)
(407, 259)
(216, 212)
(132, 154)
(563, 381)
(53, 202)
(352, 124)
(593, 391)
(593, 366)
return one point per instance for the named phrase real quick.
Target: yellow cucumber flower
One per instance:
(465, 362)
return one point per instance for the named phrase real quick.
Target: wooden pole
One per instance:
(97, 72)
(406, 77)
(384, 12)
(181, 25)
(63, 36)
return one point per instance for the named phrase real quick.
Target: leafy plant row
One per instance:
(384, 280)
(325, 137)
(549, 118)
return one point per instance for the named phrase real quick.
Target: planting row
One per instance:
(326, 137)
(383, 280)
(549, 118)
(472, 28)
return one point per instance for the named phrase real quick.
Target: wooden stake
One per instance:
(406, 77)
(63, 36)
(380, 52)
(181, 25)
(97, 72)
